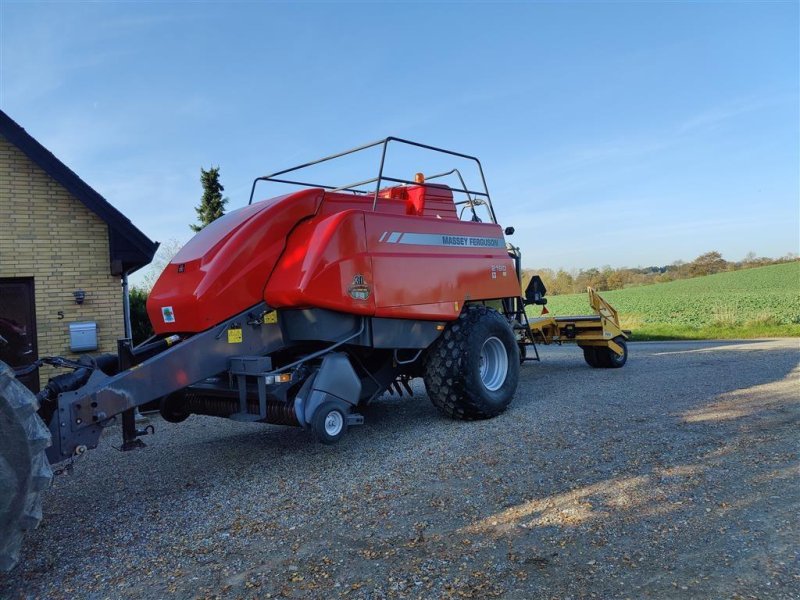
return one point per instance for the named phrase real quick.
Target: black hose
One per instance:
(66, 382)
(107, 363)
(69, 382)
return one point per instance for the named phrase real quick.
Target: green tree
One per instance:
(616, 279)
(563, 283)
(140, 322)
(212, 205)
(708, 264)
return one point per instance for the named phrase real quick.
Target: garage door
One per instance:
(18, 327)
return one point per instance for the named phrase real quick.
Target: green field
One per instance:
(761, 302)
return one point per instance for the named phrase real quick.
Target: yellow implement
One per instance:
(598, 329)
(599, 335)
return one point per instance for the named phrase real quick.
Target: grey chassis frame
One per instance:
(82, 414)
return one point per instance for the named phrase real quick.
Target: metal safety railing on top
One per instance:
(474, 198)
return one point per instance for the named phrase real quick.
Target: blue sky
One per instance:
(610, 133)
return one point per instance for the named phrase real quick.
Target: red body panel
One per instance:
(347, 242)
(411, 258)
(222, 270)
(322, 260)
(431, 281)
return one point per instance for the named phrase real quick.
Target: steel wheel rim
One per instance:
(493, 364)
(333, 423)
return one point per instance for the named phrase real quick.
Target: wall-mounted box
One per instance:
(83, 336)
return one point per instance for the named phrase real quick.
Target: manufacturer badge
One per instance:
(358, 290)
(168, 314)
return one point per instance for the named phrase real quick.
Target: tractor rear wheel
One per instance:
(472, 370)
(24, 470)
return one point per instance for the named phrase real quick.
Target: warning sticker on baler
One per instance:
(168, 314)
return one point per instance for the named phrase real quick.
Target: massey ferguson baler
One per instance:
(299, 310)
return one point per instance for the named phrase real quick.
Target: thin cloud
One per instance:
(717, 115)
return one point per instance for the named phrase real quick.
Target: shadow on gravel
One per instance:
(719, 519)
(713, 346)
(660, 490)
(749, 401)
(635, 496)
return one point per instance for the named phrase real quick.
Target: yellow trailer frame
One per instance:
(601, 329)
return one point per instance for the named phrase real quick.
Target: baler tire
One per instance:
(24, 469)
(590, 356)
(452, 366)
(318, 422)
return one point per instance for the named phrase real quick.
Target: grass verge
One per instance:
(670, 331)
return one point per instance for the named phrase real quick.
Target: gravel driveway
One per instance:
(674, 477)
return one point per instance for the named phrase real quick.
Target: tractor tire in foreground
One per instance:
(24, 470)
(472, 370)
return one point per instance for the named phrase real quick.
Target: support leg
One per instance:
(130, 435)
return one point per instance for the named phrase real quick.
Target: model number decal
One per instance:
(499, 269)
(438, 239)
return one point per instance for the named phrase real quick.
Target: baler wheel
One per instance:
(329, 422)
(24, 470)
(472, 370)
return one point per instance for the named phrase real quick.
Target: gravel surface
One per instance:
(674, 477)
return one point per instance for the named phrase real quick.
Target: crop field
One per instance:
(760, 302)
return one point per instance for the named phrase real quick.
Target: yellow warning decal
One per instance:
(235, 336)
(271, 318)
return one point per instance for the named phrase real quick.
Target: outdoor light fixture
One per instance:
(80, 296)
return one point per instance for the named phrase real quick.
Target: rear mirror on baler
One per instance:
(535, 292)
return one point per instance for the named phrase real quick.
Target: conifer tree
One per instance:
(212, 205)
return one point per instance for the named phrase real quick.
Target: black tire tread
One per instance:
(448, 392)
(611, 360)
(318, 422)
(590, 356)
(606, 358)
(24, 469)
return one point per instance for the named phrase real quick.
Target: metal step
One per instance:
(256, 367)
